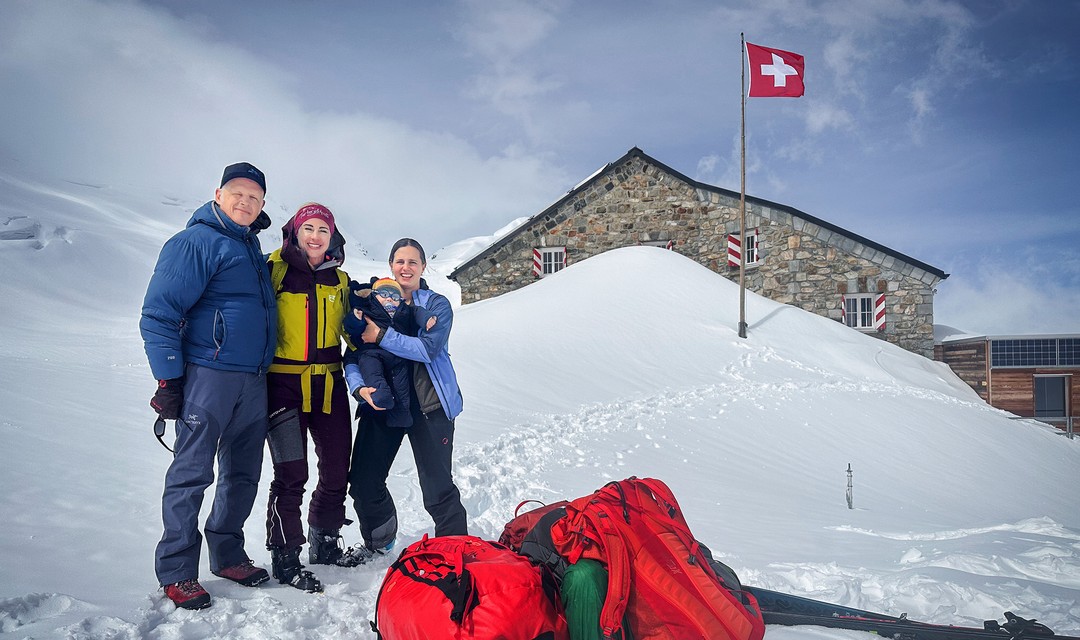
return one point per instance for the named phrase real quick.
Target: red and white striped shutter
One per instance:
(734, 250)
(879, 312)
(843, 310)
(538, 260)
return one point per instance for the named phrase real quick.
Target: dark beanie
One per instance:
(244, 170)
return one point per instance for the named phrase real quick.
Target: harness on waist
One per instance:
(305, 371)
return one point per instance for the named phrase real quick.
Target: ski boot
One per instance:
(288, 570)
(325, 546)
(360, 553)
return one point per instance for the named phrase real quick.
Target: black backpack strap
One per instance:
(461, 592)
(622, 497)
(538, 547)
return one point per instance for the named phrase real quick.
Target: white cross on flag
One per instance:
(774, 73)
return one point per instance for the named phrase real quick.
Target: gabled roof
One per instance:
(638, 153)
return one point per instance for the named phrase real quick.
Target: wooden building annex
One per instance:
(791, 256)
(1032, 376)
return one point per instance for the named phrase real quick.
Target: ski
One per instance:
(788, 610)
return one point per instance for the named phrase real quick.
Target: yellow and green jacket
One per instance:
(311, 305)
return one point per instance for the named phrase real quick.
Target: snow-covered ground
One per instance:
(625, 364)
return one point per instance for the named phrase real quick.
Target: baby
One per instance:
(390, 296)
(391, 376)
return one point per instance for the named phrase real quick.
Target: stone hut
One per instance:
(791, 257)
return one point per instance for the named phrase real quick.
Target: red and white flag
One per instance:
(774, 73)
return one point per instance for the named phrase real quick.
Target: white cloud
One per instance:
(501, 29)
(1003, 300)
(529, 98)
(706, 166)
(821, 116)
(116, 92)
(916, 49)
(845, 59)
(505, 36)
(1031, 286)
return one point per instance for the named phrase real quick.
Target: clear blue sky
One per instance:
(946, 130)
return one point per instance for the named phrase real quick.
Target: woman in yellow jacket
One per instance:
(308, 397)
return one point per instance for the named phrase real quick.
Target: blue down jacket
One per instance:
(210, 301)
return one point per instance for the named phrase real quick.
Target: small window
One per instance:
(1050, 392)
(864, 311)
(548, 260)
(752, 247)
(735, 248)
(663, 244)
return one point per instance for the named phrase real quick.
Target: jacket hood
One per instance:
(364, 301)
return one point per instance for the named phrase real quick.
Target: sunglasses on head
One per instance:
(388, 293)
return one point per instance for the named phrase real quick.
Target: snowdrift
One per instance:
(625, 364)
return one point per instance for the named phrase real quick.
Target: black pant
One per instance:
(431, 437)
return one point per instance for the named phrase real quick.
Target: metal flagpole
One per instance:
(742, 197)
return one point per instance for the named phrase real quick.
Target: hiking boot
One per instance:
(187, 594)
(361, 553)
(245, 573)
(285, 563)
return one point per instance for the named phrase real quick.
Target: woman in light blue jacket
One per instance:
(435, 402)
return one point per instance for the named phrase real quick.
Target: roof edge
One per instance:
(1010, 336)
(638, 153)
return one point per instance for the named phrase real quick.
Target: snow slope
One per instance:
(625, 364)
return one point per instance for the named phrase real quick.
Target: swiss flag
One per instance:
(774, 73)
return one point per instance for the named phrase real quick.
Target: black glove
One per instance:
(169, 398)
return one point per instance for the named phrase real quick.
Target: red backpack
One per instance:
(466, 587)
(659, 576)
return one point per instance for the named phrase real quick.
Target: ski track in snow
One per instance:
(495, 477)
(1033, 526)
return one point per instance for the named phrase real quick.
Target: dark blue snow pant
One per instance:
(431, 437)
(224, 416)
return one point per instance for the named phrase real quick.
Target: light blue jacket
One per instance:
(428, 347)
(210, 301)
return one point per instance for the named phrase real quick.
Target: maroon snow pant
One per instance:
(332, 435)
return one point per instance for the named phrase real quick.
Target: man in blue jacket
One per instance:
(209, 323)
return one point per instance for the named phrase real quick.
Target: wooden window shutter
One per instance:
(734, 250)
(879, 312)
